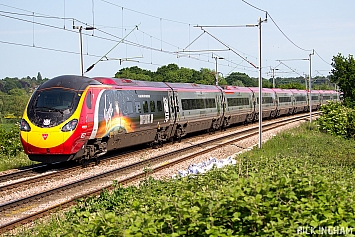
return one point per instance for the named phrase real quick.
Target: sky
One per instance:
(38, 36)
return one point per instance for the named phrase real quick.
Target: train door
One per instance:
(224, 106)
(176, 107)
(88, 121)
(172, 106)
(219, 103)
(169, 108)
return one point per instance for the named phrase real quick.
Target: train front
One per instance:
(49, 127)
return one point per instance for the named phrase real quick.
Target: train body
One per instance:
(80, 118)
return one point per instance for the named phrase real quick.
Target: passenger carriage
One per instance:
(134, 112)
(327, 96)
(199, 107)
(316, 99)
(300, 100)
(284, 101)
(269, 109)
(238, 105)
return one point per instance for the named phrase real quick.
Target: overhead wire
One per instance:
(268, 14)
(142, 13)
(322, 58)
(40, 15)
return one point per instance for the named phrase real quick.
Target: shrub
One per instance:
(10, 143)
(337, 120)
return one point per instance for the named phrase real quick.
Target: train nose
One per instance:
(45, 142)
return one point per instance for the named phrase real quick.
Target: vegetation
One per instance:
(337, 120)
(171, 73)
(274, 191)
(14, 95)
(343, 74)
(11, 151)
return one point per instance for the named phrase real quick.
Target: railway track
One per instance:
(24, 210)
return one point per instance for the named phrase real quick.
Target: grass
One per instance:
(11, 151)
(300, 179)
(15, 162)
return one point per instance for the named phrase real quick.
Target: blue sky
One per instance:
(38, 36)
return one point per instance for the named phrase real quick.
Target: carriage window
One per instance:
(190, 104)
(237, 101)
(315, 97)
(152, 106)
(145, 106)
(267, 100)
(284, 99)
(159, 106)
(88, 100)
(300, 98)
(210, 103)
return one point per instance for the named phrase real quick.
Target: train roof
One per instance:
(297, 91)
(279, 90)
(69, 81)
(124, 82)
(325, 91)
(264, 90)
(192, 87)
(232, 89)
(149, 85)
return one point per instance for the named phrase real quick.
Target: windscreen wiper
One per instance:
(49, 109)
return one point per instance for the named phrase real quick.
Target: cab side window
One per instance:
(88, 100)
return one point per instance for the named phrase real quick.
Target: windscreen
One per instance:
(54, 99)
(52, 106)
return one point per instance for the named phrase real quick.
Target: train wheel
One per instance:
(84, 163)
(97, 161)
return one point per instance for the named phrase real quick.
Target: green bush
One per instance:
(10, 143)
(12, 155)
(337, 120)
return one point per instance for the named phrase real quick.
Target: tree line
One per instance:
(14, 95)
(174, 73)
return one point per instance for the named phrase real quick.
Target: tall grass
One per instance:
(11, 151)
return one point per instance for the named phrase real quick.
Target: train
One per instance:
(79, 118)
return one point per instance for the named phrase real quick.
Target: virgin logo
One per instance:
(44, 136)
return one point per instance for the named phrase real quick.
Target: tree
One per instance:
(39, 76)
(293, 85)
(238, 83)
(204, 76)
(244, 78)
(17, 92)
(343, 74)
(135, 73)
(11, 83)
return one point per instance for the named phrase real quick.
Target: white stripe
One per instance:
(96, 116)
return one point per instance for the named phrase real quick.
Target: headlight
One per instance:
(70, 126)
(24, 126)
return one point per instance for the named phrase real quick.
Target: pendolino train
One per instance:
(80, 118)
